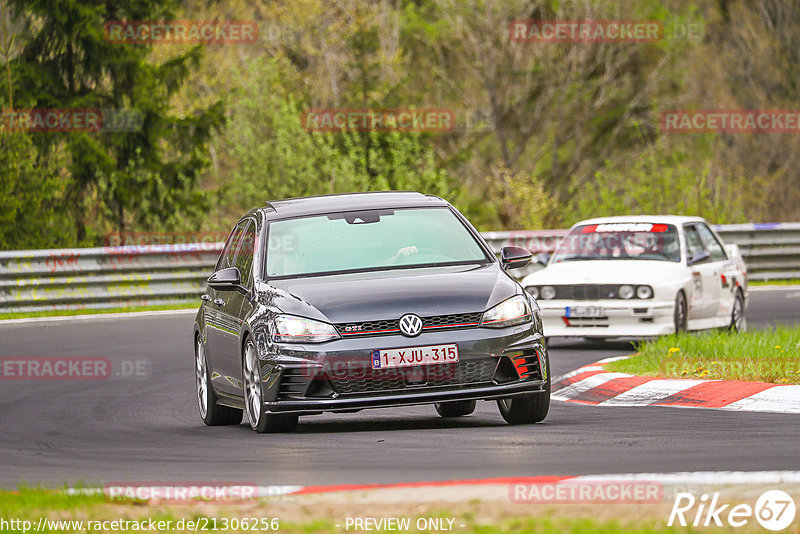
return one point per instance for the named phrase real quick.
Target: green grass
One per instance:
(30, 504)
(761, 356)
(93, 311)
(789, 282)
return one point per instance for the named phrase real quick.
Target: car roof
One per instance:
(301, 206)
(677, 220)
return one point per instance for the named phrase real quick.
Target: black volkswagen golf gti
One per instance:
(365, 300)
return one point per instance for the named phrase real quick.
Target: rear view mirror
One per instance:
(514, 257)
(227, 280)
(698, 257)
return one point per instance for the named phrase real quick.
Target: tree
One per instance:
(131, 177)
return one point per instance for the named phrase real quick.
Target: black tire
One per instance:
(211, 413)
(527, 409)
(455, 408)
(738, 321)
(259, 420)
(681, 313)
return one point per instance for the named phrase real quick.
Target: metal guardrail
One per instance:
(108, 277)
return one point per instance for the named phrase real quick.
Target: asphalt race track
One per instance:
(148, 430)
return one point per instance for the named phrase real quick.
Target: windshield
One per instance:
(365, 240)
(620, 241)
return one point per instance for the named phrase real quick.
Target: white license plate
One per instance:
(584, 311)
(413, 356)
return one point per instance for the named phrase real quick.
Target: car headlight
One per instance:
(510, 312)
(626, 292)
(548, 292)
(533, 291)
(291, 329)
(644, 292)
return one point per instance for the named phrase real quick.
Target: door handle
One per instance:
(206, 298)
(219, 302)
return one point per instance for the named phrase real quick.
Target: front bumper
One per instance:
(337, 375)
(636, 318)
(388, 400)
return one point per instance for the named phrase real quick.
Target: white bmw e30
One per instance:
(640, 276)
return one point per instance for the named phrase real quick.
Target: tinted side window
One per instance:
(244, 256)
(713, 246)
(694, 243)
(229, 252)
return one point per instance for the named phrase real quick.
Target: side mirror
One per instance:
(543, 258)
(698, 257)
(514, 257)
(227, 280)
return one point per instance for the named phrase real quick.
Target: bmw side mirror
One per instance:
(227, 280)
(514, 257)
(698, 257)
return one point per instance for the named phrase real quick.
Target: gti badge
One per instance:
(410, 325)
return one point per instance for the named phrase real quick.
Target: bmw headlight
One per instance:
(644, 292)
(533, 291)
(291, 329)
(548, 292)
(510, 312)
(626, 292)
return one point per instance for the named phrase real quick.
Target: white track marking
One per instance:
(781, 399)
(91, 316)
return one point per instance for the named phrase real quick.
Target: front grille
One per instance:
(391, 326)
(466, 372)
(586, 292)
(368, 380)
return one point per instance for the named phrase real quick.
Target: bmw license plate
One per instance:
(584, 311)
(412, 356)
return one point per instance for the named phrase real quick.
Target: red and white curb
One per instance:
(594, 385)
(499, 488)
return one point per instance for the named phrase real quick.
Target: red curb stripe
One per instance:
(561, 384)
(611, 389)
(714, 394)
(434, 483)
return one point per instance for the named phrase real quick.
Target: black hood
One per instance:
(389, 294)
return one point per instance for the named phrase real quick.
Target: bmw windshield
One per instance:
(620, 241)
(369, 240)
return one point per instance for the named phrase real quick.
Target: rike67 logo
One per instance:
(774, 510)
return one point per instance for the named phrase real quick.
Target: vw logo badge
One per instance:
(410, 325)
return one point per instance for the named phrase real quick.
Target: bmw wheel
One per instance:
(738, 322)
(680, 314)
(260, 421)
(212, 413)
